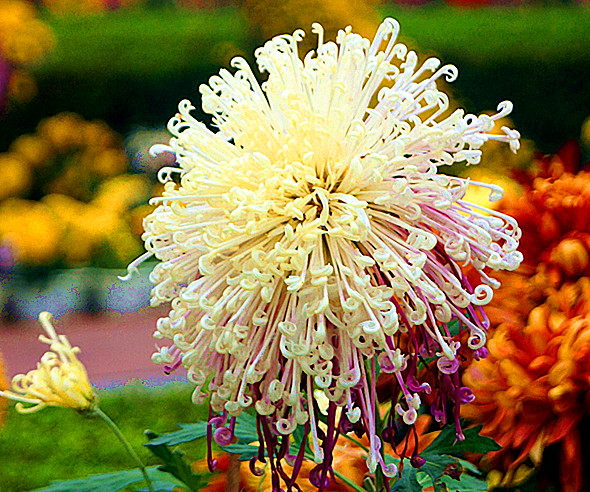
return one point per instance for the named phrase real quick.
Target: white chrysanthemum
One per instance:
(313, 227)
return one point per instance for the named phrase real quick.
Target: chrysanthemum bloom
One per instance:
(312, 229)
(60, 379)
(347, 457)
(533, 389)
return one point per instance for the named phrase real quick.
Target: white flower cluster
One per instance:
(313, 226)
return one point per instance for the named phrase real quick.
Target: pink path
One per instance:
(115, 348)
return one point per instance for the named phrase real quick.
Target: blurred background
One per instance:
(87, 87)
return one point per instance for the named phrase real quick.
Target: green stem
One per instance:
(346, 480)
(358, 443)
(379, 477)
(133, 454)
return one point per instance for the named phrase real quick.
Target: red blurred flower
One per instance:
(534, 388)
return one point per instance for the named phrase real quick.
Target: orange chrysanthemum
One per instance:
(348, 459)
(534, 388)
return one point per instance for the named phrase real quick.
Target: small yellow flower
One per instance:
(60, 379)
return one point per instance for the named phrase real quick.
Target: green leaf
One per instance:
(454, 327)
(245, 429)
(408, 482)
(114, 481)
(473, 443)
(188, 432)
(175, 465)
(435, 465)
(467, 483)
(469, 467)
(246, 451)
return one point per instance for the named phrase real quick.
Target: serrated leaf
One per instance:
(245, 431)
(416, 479)
(470, 467)
(467, 483)
(408, 482)
(435, 465)
(188, 432)
(246, 451)
(446, 442)
(175, 465)
(115, 481)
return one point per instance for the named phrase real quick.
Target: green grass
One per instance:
(60, 444)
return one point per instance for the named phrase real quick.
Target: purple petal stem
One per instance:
(171, 368)
(257, 472)
(300, 455)
(329, 443)
(270, 446)
(211, 463)
(457, 409)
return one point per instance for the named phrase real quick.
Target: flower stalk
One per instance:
(115, 429)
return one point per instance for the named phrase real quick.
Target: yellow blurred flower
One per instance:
(136, 217)
(62, 131)
(59, 380)
(31, 230)
(122, 192)
(24, 39)
(84, 217)
(109, 162)
(32, 149)
(98, 134)
(22, 86)
(76, 246)
(16, 176)
(99, 223)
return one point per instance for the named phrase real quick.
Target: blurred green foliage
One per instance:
(59, 444)
(498, 34)
(131, 68)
